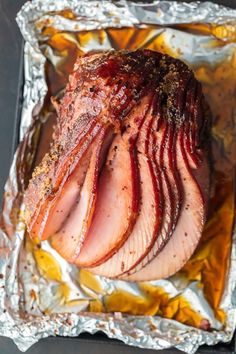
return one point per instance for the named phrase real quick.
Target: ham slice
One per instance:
(120, 190)
(171, 197)
(118, 186)
(187, 232)
(71, 235)
(41, 211)
(148, 220)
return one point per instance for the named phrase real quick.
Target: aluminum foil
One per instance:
(40, 293)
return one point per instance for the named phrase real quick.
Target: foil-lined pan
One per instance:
(40, 293)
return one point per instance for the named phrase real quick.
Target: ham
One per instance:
(187, 233)
(123, 190)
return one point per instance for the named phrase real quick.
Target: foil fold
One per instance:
(24, 315)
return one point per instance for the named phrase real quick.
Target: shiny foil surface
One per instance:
(40, 293)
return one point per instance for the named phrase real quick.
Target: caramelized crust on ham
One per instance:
(123, 190)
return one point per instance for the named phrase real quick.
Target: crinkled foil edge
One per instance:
(93, 14)
(141, 331)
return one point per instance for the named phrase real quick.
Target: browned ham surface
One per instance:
(123, 190)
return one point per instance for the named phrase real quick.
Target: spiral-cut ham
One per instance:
(124, 189)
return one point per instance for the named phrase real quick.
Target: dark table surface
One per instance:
(11, 61)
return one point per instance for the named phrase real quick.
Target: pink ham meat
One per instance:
(119, 186)
(71, 235)
(187, 233)
(68, 196)
(42, 213)
(118, 189)
(171, 192)
(124, 188)
(148, 220)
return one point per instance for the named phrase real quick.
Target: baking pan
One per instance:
(11, 84)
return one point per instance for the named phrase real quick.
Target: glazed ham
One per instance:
(123, 190)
